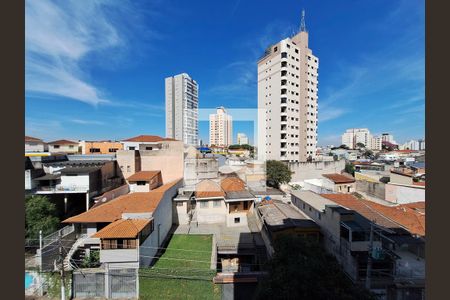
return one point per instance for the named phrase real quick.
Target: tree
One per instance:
(302, 269)
(368, 153)
(40, 214)
(277, 173)
(350, 169)
(360, 145)
(92, 260)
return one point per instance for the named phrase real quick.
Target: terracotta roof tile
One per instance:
(32, 139)
(232, 184)
(148, 139)
(339, 178)
(208, 189)
(123, 228)
(129, 203)
(63, 142)
(143, 176)
(388, 216)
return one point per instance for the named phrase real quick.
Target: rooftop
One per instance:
(33, 139)
(129, 203)
(232, 184)
(278, 215)
(80, 170)
(208, 189)
(339, 178)
(123, 228)
(313, 199)
(63, 142)
(148, 139)
(143, 176)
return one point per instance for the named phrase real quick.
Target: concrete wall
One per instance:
(402, 194)
(119, 255)
(104, 147)
(162, 218)
(211, 214)
(135, 188)
(308, 170)
(122, 190)
(401, 179)
(371, 188)
(345, 188)
(63, 148)
(34, 147)
(79, 181)
(180, 213)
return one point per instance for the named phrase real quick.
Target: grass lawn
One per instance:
(181, 274)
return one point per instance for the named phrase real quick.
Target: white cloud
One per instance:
(59, 39)
(330, 113)
(86, 122)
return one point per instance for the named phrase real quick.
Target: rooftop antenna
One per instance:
(302, 22)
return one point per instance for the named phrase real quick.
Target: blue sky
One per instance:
(96, 69)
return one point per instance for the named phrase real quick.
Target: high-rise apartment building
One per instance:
(387, 137)
(287, 100)
(353, 136)
(182, 109)
(220, 128)
(242, 139)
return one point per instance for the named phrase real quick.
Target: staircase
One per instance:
(68, 263)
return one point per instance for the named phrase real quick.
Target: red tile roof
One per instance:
(143, 176)
(148, 139)
(388, 216)
(208, 189)
(63, 142)
(122, 229)
(111, 211)
(339, 178)
(32, 139)
(232, 184)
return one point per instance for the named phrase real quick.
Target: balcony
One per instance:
(61, 189)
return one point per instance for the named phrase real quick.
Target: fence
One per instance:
(53, 237)
(113, 283)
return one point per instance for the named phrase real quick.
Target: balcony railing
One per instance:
(60, 188)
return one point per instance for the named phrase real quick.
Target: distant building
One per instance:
(220, 128)
(376, 143)
(287, 100)
(144, 142)
(33, 144)
(242, 139)
(387, 137)
(413, 145)
(182, 109)
(63, 146)
(99, 147)
(353, 136)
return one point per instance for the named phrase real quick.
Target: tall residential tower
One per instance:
(182, 109)
(220, 128)
(287, 99)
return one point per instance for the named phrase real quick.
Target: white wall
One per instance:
(403, 194)
(34, 147)
(210, 214)
(79, 181)
(134, 188)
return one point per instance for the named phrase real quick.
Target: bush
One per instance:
(40, 214)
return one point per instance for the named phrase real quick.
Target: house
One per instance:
(144, 142)
(340, 183)
(33, 144)
(128, 230)
(63, 146)
(279, 218)
(226, 203)
(144, 181)
(166, 155)
(100, 147)
(398, 265)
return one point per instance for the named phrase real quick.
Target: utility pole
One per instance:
(40, 250)
(369, 258)
(61, 257)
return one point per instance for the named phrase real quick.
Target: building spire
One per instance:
(302, 22)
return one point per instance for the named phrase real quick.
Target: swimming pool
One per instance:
(28, 280)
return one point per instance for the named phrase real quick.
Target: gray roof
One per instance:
(279, 216)
(315, 200)
(239, 195)
(79, 170)
(49, 177)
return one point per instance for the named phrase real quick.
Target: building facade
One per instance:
(353, 136)
(100, 147)
(242, 139)
(182, 109)
(220, 128)
(287, 100)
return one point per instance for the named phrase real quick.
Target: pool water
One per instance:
(28, 280)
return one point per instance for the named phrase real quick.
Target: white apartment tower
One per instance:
(287, 100)
(182, 109)
(242, 139)
(353, 136)
(220, 128)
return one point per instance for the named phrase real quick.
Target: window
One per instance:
(131, 148)
(141, 182)
(71, 146)
(56, 146)
(245, 205)
(237, 220)
(204, 204)
(128, 169)
(217, 203)
(180, 203)
(148, 148)
(113, 149)
(304, 205)
(94, 150)
(275, 49)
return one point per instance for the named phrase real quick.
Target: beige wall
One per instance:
(344, 188)
(211, 214)
(396, 178)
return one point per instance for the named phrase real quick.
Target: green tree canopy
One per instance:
(350, 168)
(360, 145)
(302, 269)
(40, 214)
(277, 173)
